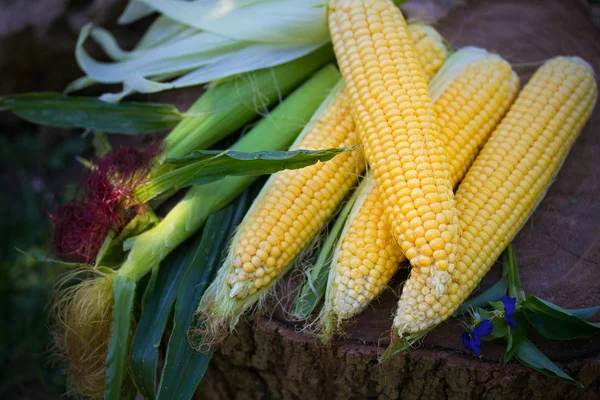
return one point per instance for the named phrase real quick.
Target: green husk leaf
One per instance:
(157, 309)
(134, 12)
(231, 103)
(183, 368)
(198, 58)
(118, 345)
(112, 253)
(555, 322)
(207, 166)
(313, 288)
(530, 356)
(55, 109)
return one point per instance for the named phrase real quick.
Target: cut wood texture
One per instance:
(558, 253)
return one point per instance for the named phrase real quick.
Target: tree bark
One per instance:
(267, 359)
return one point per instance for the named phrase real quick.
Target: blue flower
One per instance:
(472, 340)
(509, 310)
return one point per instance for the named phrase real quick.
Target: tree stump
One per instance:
(558, 253)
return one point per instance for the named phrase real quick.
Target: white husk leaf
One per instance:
(269, 21)
(203, 41)
(164, 30)
(134, 12)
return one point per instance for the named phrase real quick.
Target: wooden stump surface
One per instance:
(558, 252)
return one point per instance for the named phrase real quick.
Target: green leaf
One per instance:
(206, 166)
(583, 313)
(514, 280)
(530, 356)
(500, 328)
(556, 323)
(229, 104)
(118, 344)
(55, 109)
(483, 314)
(497, 305)
(157, 309)
(183, 368)
(516, 336)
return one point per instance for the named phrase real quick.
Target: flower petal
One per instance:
(509, 305)
(466, 337)
(484, 328)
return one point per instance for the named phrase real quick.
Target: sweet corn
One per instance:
(471, 93)
(505, 183)
(429, 48)
(397, 126)
(295, 204)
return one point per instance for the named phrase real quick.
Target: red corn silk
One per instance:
(104, 203)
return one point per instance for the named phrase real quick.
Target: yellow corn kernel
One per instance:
(294, 204)
(506, 182)
(397, 126)
(429, 47)
(471, 93)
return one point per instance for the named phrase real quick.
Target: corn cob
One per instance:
(471, 93)
(429, 48)
(306, 205)
(397, 126)
(288, 212)
(505, 183)
(294, 205)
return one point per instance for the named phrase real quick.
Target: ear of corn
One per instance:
(429, 48)
(294, 205)
(397, 126)
(471, 93)
(287, 214)
(505, 183)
